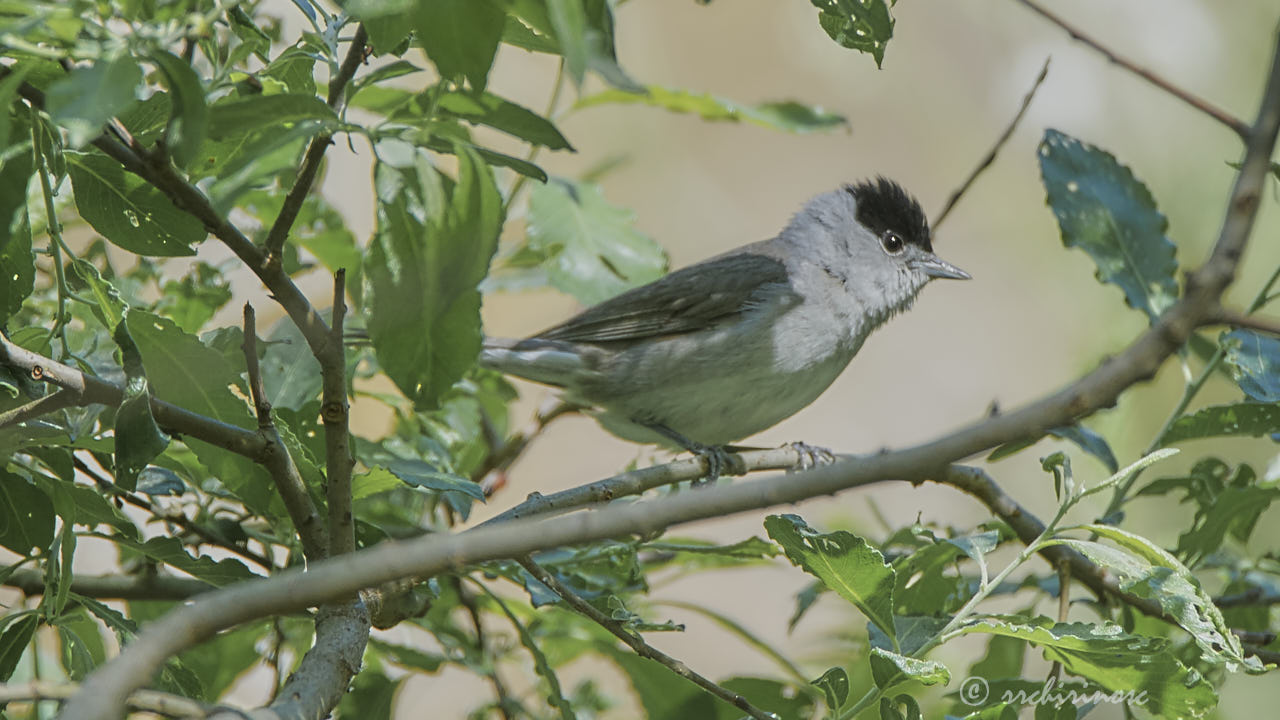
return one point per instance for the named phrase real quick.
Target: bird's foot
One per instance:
(811, 456)
(720, 460)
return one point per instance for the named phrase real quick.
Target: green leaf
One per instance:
(82, 645)
(190, 119)
(137, 436)
(834, 684)
(1149, 572)
(371, 696)
(14, 642)
(844, 562)
(1235, 510)
(460, 36)
(788, 116)
(1107, 212)
(569, 22)
(902, 707)
(243, 115)
(862, 25)
(1140, 667)
(170, 551)
(500, 114)
(417, 473)
(889, 670)
(407, 657)
(769, 695)
(127, 210)
(1252, 419)
(81, 505)
(431, 249)
(1254, 360)
(17, 263)
(492, 157)
(662, 693)
(187, 372)
(590, 249)
(26, 515)
(88, 97)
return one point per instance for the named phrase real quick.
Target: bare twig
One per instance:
(279, 233)
(1236, 319)
(995, 149)
(1238, 126)
(89, 390)
(636, 643)
(335, 412)
(50, 403)
(276, 457)
(1251, 597)
(115, 587)
(152, 701)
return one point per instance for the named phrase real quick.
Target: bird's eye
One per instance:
(892, 242)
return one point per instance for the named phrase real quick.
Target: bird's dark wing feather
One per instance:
(687, 300)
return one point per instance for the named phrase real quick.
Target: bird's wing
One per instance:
(688, 300)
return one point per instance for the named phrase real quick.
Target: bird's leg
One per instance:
(718, 458)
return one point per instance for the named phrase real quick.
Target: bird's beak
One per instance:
(936, 267)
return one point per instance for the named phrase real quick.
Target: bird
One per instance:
(725, 348)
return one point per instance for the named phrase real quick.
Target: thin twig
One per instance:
(1268, 657)
(505, 456)
(1252, 597)
(279, 233)
(506, 704)
(59, 400)
(636, 643)
(1236, 319)
(152, 701)
(90, 390)
(140, 501)
(276, 457)
(995, 149)
(336, 412)
(115, 587)
(1238, 126)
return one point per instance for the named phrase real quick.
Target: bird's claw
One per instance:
(811, 456)
(719, 461)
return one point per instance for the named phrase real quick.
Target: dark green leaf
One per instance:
(1107, 212)
(460, 36)
(788, 116)
(26, 515)
(844, 562)
(569, 22)
(431, 250)
(1254, 360)
(14, 642)
(493, 157)
(127, 210)
(862, 25)
(1235, 510)
(192, 375)
(1089, 441)
(889, 670)
(1251, 419)
(17, 264)
(82, 645)
(81, 505)
(243, 115)
(290, 371)
(769, 695)
(662, 693)
(385, 21)
(170, 551)
(408, 657)
(137, 436)
(417, 473)
(902, 707)
(590, 249)
(222, 660)
(371, 697)
(834, 684)
(190, 118)
(495, 112)
(88, 97)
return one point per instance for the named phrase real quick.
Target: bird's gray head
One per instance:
(873, 238)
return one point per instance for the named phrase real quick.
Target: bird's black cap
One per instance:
(884, 205)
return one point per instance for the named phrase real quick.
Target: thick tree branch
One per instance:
(279, 233)
(316, 687)
(995, 149)
(637, 643)
(89, 390)
(1236, 319)
(115, 587)
(1238, 126)
(276, 458)
(105, 692)
(335, 413)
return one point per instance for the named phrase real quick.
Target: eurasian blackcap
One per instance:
(728, 347)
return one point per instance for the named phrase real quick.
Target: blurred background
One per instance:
(1032, 319)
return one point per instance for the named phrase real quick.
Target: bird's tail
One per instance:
(550, 362)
